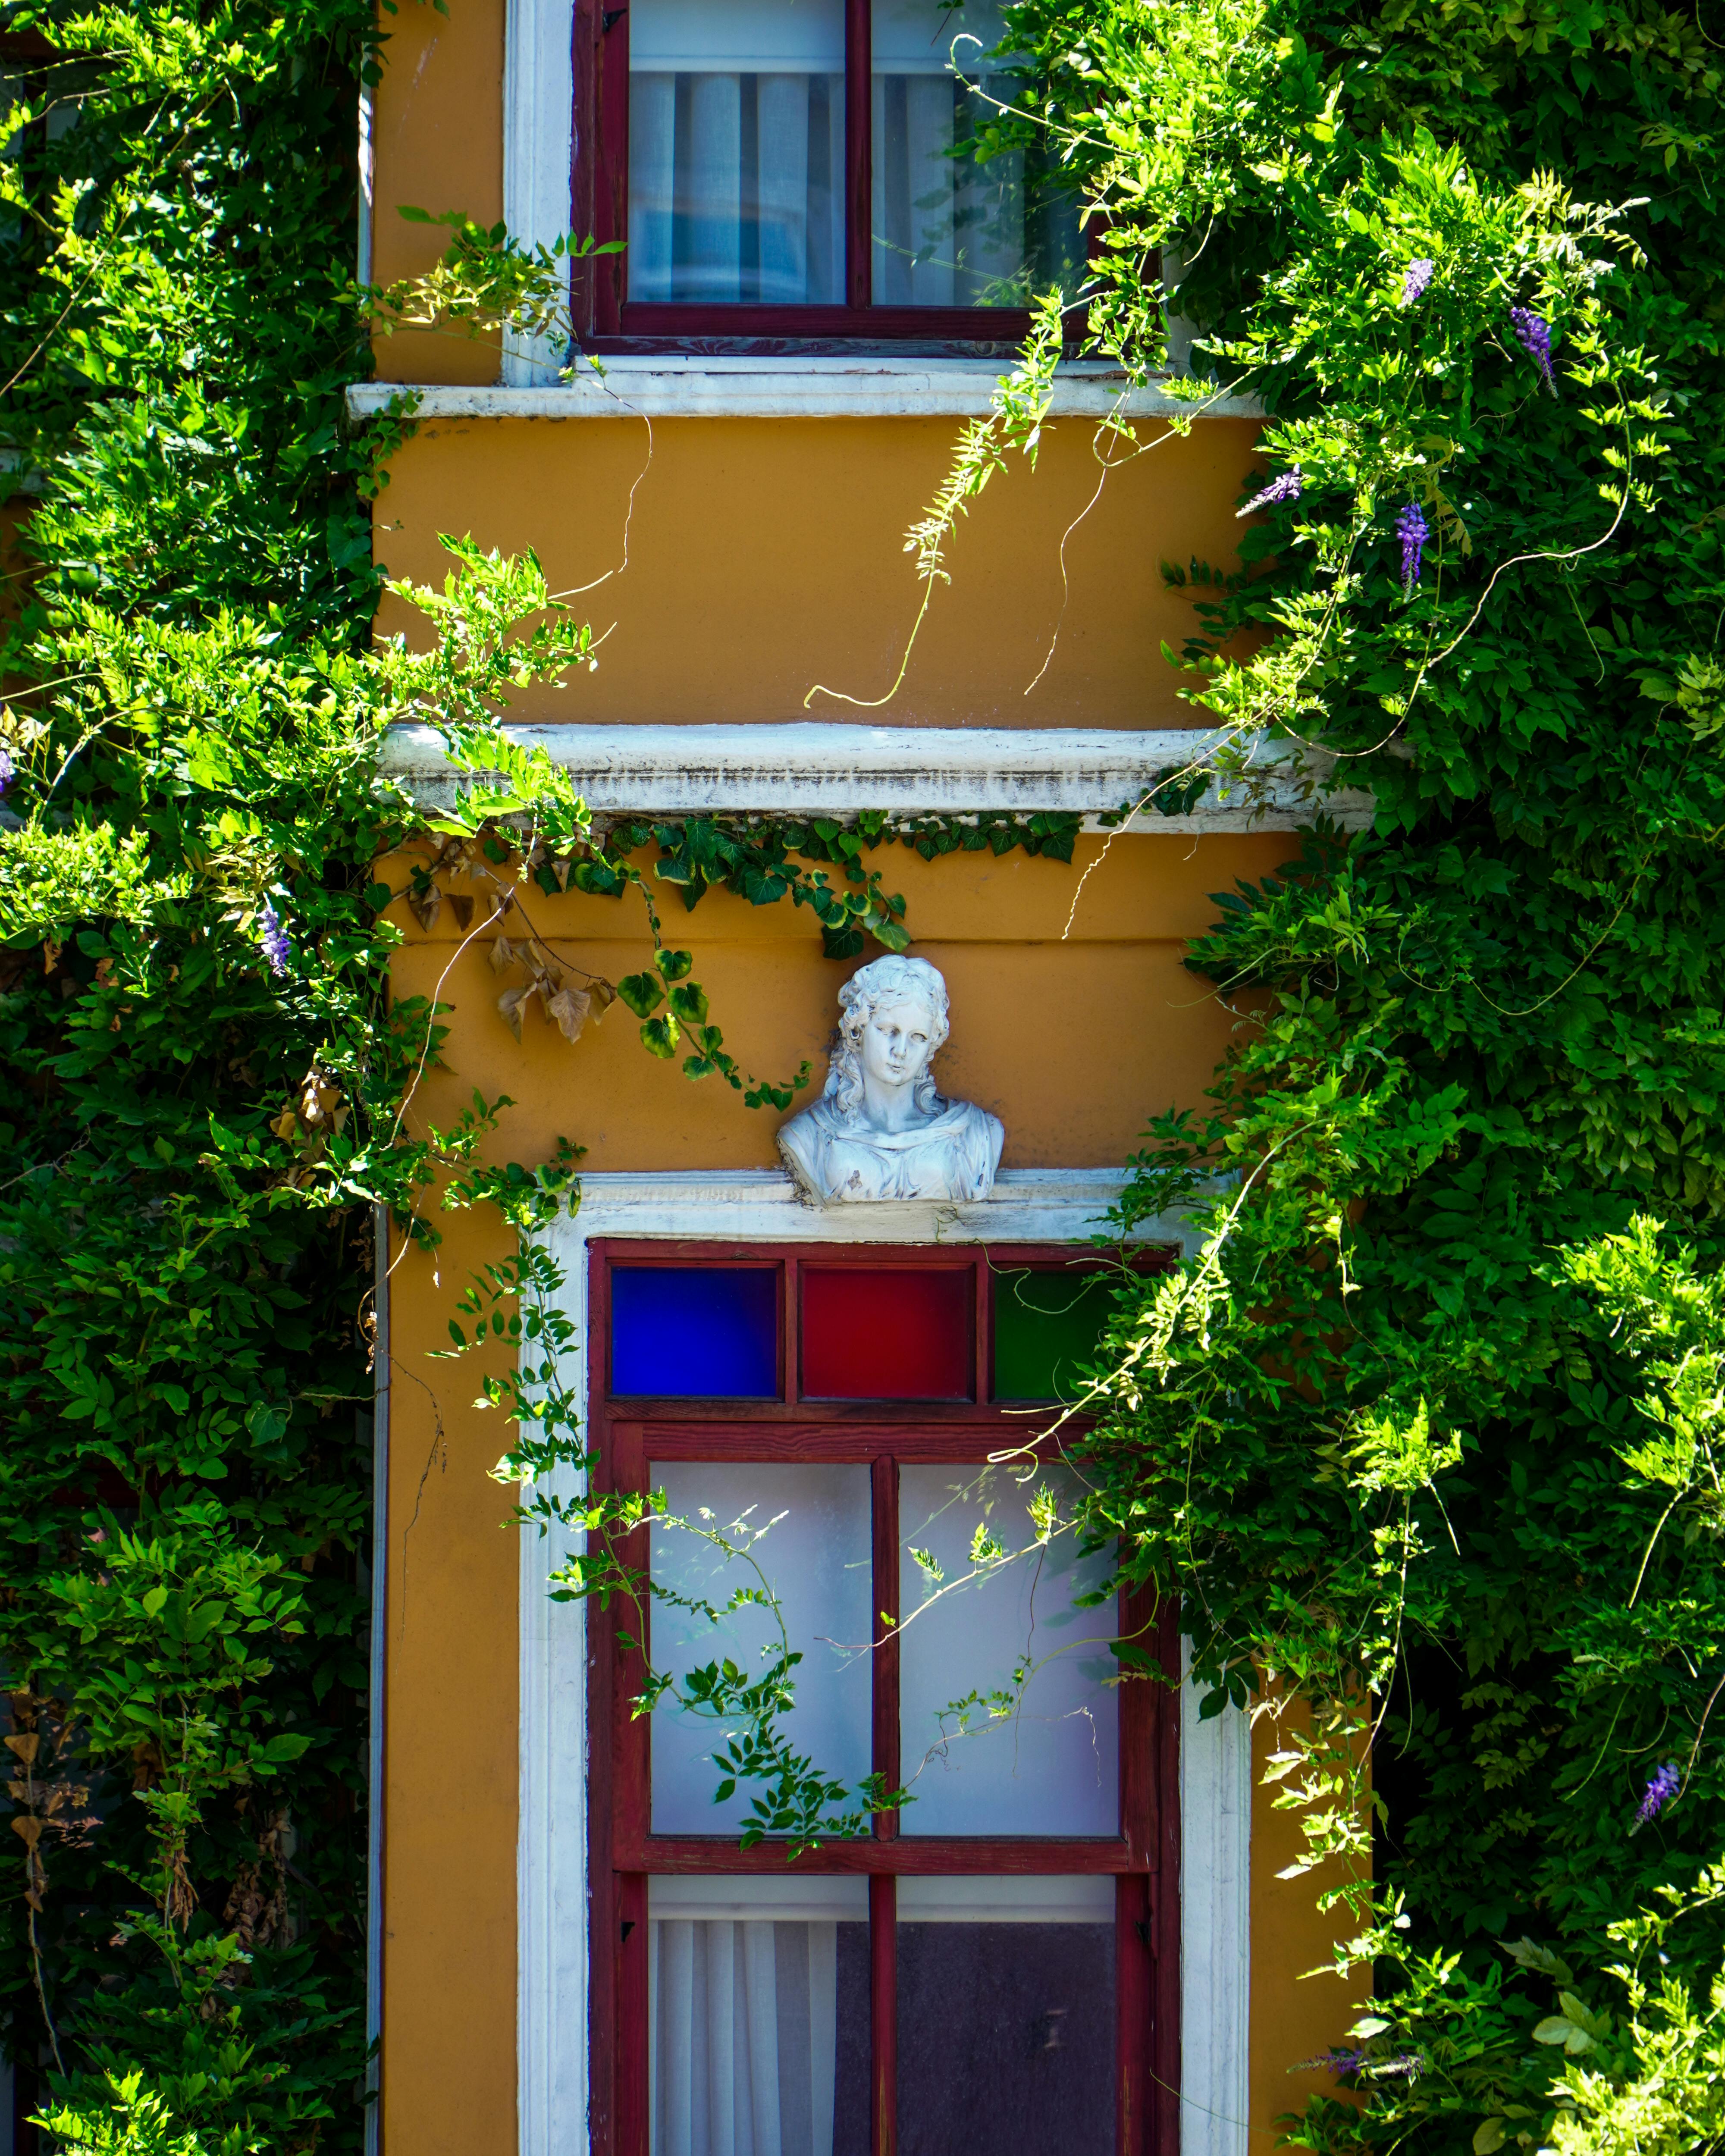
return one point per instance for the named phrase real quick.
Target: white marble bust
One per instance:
(879, 1129)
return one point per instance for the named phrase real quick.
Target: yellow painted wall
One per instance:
(437, 145)
(766, 556)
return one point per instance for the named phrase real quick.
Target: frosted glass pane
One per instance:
(1052, 1766)
(813, 1559)
(922, 37)
(741, 36)
(1006, 1898)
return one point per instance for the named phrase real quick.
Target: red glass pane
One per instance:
(886, 1333)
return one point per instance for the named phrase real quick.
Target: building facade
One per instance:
(1076, 1935)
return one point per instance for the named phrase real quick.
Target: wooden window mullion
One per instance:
(883, 2015)
(884, 1621)
(859, 149)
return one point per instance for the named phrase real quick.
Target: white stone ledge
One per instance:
(808, 768)
(790, 388)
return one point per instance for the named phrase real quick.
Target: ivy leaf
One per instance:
(641, 993)
(659, 1035)
(689, 1002)
(674, 965)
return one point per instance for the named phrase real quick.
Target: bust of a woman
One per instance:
(879, 1129)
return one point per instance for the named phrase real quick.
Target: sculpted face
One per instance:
(897, 1042)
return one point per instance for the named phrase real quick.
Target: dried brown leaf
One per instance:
(462, 908)
(25, 1747)
(510, 1004)
(569, 1008)
(502, 953)
(425, 906)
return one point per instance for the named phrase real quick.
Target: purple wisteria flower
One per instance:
(276, 946)
(1285, 489)
(1533, 333)
(1337, 2061)
(1413, 532)
(8, 769)
(1663, 1785)
(1416, 279)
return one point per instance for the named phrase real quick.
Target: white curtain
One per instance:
(948, 231)
(743, 2033)
(735, 187)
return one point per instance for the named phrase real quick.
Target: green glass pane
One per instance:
(1046, 1327)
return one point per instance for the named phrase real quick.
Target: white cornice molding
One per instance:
(806, 768)
(883, 386)
(761, 1205)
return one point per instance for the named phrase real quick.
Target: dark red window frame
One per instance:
(606, 318)
(1144, 1857)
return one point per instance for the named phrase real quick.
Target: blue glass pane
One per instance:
(702, 1332)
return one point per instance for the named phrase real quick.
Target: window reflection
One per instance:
(950, 230)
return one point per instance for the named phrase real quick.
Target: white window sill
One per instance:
(872, 386)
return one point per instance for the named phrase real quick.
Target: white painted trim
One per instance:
(804, 769)
(859, 386)
(538, 143)
(378, 1668)
(1215, 1927)
(760, 1205)
(362, 236)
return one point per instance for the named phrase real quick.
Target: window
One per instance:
(799, 169)
(997, 1963)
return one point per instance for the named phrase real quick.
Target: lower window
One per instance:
(759, 2004)
(993, 1965)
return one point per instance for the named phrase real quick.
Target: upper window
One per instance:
(806, 168)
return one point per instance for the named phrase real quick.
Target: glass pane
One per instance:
(711, 1331)
(1042, 1755)
(736, 152)
(1006, 2027)
(811, 1526)
(758, 2015)
(1046, 1325)
(950, 230)
(894, 1334)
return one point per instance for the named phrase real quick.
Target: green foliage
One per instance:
(1428, 1432)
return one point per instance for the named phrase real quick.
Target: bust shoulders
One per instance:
(840, 1159)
